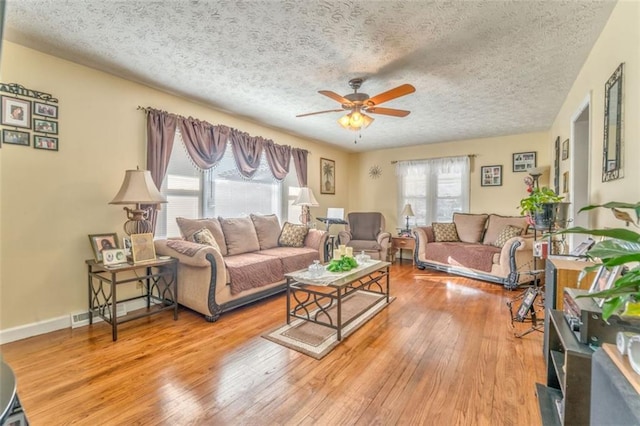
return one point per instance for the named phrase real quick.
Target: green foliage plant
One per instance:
(621, 248)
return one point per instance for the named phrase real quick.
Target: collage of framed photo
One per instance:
(491, 176)
(37, 116)
(523, 161)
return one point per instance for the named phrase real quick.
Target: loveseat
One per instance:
(488, 247)
(230, 262)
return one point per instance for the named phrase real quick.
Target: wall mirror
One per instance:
(613, 131)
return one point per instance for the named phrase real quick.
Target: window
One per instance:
(221, 191)
(435, 188)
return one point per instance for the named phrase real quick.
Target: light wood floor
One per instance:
(443, 353)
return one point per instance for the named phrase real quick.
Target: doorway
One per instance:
(579, 173)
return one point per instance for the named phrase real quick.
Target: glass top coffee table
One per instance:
(310, 298)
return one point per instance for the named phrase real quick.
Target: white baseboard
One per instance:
(54, 324)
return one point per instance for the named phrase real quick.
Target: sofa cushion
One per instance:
(468, 255)
(240, 235)
(497, 223)
(204, 236)
(190, 226)
(445, 232)
(292, 258)
(251, 270)
(506, 234)
(470, 227)
(359, 245)
(267, 229)
(292, 235)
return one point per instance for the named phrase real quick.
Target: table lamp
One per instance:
(305, 199)
(407, 211)
(138, 189)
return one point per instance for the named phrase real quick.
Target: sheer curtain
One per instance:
(435, 188)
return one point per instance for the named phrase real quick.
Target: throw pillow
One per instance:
(292, 235)
(190, 226)
(496, 223)
(506, 234)
(444, 232)
(204, 236)
(268, 230)
(470, 227)
(240, 235)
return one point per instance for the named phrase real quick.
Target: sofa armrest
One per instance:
(199, 257)
(344, 237)
(424, 236)
(317, 240)
(384, 239)
(516, 256)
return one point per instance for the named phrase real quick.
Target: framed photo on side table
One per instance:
(491, 175)
(142, 248)
(102, 242)
(523, 161)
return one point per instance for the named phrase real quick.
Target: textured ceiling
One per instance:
(480, 68)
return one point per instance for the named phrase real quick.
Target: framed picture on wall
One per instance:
(16, 112)
(491, 175)
(565, 149)
(46, 110)
(15, 137)
(523, 161)
(327, 176)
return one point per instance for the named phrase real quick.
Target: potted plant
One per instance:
(543, 206)
(622, 248)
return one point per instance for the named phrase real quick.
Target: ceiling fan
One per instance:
(359, 103)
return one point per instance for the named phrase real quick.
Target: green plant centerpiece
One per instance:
(345, 263)
(622, 248)
(538, 197)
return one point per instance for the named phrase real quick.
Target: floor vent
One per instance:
(82, 318)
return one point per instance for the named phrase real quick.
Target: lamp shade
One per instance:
(306, 198)
(138, 188)
(407, 210)
(538, 171)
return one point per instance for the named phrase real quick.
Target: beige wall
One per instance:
(51, 201)
(618, 42)
(381, 194)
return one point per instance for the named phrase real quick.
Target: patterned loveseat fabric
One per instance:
(229, 262)
(489, 247)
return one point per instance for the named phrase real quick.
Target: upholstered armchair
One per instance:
(366, 232)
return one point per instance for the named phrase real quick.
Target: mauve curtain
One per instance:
(300, 162)
(246, 151)
(161, 131)
(205, 143)
(278, 157)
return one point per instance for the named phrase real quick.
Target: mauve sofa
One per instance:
(489, 247)
(245, 261)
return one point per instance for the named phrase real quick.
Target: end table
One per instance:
(406, 243)
(160, 282)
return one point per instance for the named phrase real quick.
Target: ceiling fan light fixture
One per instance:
(355, 120)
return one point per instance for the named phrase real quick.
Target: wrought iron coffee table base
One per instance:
(312, 302)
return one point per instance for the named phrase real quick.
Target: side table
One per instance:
(160, 283)
(406, 243)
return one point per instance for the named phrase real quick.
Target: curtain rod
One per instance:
(435, 158)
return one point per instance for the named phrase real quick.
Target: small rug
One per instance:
(317, 340)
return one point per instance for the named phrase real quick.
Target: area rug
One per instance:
(316, 340)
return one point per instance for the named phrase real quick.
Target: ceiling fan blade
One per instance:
(335, 96)
(320, 112)
(405, 89)
(389, 111)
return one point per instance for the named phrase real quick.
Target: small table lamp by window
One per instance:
(305, 199)
(138, 188)
(407, 211)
